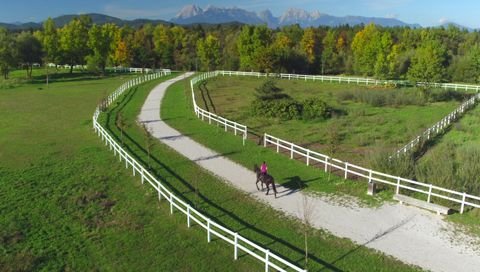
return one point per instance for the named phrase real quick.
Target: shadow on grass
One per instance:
(191, 189)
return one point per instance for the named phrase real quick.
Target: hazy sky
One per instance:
(424, 12)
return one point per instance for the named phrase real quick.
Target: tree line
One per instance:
(424, 54)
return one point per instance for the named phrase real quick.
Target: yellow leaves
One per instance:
(309, 44)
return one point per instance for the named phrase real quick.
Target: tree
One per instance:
(308, 210)
(208, 50)
(329, 54)
(252, 41)
(370, 49)
(50, 43)
(427, 63)
(101, 40)
(310, 45)
(8, 52)
(143, 48)
(164, 45)
(73, 41)
(149, 141)
(269, 91)
(29, 51)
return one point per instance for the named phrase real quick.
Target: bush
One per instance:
(270, 91)
(403, 165)
(285, 109)
(314, 108)
(438, 167)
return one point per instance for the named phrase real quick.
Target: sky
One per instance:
(423, 12)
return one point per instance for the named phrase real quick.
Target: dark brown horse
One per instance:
(264, 179)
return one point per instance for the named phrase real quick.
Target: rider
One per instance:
(263, 169)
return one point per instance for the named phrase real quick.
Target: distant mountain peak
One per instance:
(189, 11)
(211, 14)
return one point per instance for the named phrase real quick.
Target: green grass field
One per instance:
(450, 165)
(68, 205)
(229, 206)
(362, 128)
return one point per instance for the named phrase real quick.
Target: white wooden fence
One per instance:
(219, 120)
(440, 126)
(135, 70)
(352, 170)
(429, 190)
(239, 243)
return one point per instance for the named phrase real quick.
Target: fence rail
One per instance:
(213, 229)
(399, 183)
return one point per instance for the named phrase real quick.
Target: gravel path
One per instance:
(412, 235)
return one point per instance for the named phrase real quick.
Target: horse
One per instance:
(264, 179)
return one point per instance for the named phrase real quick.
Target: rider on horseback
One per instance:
(263, 169)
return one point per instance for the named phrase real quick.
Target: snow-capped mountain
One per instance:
(193, 14)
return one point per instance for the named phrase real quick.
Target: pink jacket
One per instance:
(263, 168)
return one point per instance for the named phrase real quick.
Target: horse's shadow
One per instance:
(294, 184)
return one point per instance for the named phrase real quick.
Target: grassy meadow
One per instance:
(365, 118)
(68, 205)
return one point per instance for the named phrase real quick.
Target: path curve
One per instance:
(411, 235)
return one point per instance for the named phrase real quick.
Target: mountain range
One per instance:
(99, 19)
(193, 14)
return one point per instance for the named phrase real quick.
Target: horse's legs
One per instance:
(268, 188)
(256, 184)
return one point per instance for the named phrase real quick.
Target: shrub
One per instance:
(285, 109)
(402, 165)
(270, 91)
(438, 167)
(468, 161)
(314, 108)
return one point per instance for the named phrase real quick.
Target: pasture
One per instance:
(365, 119)
(66, 202)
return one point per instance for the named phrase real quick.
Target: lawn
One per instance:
(227, 205)
(68, 205)
(361, 127)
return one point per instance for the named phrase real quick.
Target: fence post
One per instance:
(235, 248)
(278, 145)
(264, 139)
(142, 174)
(398, 185)
(188, 216)
(308, 157)
(463, 203)
(267, 255)
(346, 170)
(429, 193)
(370, 176)
(326, 164)
(291, 150)
(208, 230)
